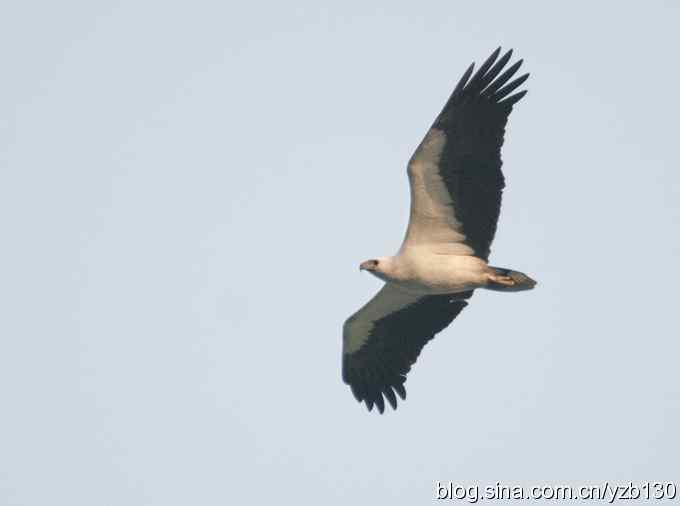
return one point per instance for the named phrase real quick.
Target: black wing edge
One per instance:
(474, 120)
(488, 84)
(379, 368)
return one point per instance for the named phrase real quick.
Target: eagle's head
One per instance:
(379, 267)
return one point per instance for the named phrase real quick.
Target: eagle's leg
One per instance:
(501, 280)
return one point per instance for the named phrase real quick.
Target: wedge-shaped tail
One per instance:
(507, 280)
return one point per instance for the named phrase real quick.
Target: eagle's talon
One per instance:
(502, 280)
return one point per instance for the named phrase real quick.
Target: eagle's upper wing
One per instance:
(455, 174)
(383, 339)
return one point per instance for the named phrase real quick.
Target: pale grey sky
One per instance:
(187, 189)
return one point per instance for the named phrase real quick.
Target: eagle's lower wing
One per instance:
(455, 174)
(383, 339)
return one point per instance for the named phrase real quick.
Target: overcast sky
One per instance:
(187, 189)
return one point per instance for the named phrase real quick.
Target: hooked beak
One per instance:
(365, 266)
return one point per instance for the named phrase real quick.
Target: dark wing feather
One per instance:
(473, 121)
(379, 367)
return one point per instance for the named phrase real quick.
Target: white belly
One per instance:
(438, 274)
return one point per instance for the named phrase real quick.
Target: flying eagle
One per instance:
(456, 184)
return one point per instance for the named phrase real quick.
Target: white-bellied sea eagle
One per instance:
(456, 185)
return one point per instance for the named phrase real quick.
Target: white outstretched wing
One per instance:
(383, 339)
(455, 174)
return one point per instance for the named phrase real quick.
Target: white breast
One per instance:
(427, 272)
